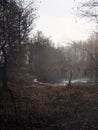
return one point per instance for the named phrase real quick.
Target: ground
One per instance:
(50, 108)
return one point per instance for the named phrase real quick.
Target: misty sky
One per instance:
(58, 21)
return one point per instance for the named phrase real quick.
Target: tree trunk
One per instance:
(4, 76)
(5, 85)
(70, 78)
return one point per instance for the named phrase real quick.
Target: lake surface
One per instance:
(82, 81)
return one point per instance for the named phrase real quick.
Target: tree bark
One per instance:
(4, 76)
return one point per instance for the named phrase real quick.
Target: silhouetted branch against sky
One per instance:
(57, 20)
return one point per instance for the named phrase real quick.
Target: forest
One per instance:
(36, 77)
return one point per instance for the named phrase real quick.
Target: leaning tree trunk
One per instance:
(5, 82)
(4, 76)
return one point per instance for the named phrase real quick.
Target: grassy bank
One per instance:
(51, 108)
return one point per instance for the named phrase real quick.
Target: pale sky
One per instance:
(58, 21)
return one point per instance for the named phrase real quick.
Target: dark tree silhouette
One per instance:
(15, 25)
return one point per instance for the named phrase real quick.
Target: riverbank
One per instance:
(50, 108)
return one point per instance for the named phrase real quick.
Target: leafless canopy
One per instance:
(88, 9)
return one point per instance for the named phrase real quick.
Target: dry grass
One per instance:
(55, 108)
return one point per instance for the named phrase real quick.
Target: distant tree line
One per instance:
(41, 60)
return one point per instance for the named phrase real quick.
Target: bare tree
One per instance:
(15, 25)
(89, 9)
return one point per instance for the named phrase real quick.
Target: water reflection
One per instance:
(81, 81)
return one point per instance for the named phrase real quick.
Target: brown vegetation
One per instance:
(50, 108)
